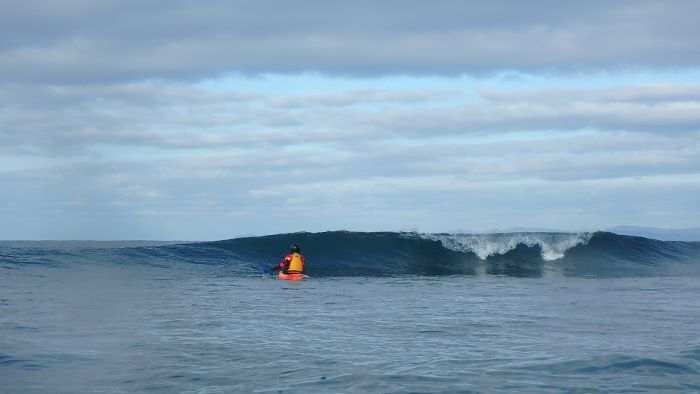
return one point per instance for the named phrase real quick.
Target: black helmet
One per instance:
(295, 248)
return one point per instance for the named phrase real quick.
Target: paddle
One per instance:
(268, 270)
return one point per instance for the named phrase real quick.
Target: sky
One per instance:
(204, 120)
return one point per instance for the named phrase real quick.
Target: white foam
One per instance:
(552, 245)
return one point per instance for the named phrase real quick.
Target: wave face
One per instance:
(600, 254)
(342, 253)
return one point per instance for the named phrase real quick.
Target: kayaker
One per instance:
(293, 263)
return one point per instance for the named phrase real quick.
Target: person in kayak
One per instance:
(293, 263)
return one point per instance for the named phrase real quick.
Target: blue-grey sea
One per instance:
(89, 322)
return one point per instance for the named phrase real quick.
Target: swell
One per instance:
(343, 253)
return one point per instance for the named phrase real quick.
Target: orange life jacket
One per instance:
(296, 262)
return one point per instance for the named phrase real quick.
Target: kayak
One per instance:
(284, 276)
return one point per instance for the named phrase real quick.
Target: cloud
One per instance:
(644, 94)
(172, 120)
(362, 97)
(648, 108)
(78, 42)
(278, 197)
(104, 115)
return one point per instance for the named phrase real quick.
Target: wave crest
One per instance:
(553, 246)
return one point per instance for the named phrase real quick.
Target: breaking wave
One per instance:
(553, 246)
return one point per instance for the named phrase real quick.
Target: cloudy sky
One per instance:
(201, 120)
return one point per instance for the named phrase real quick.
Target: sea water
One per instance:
(94, 321)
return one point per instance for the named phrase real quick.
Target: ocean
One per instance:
(381, 312)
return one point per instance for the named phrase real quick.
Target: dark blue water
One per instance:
(82, 317)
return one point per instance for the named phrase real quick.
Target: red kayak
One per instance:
(281, 275)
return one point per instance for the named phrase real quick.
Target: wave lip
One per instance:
(553, 246)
